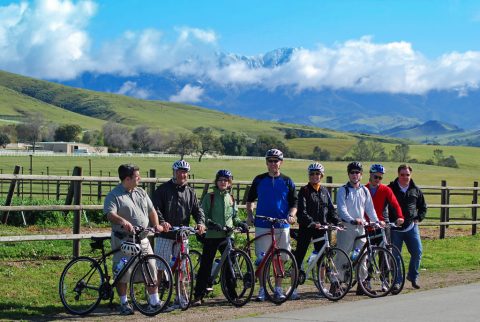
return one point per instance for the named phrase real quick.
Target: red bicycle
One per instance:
(279, 267)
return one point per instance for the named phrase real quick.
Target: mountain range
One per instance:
(338, 109)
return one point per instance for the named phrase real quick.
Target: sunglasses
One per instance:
(377, 177)
(355, 172)
(273, 160)
(315, 174)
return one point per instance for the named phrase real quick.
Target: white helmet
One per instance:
(274, 153)
(316, 167)
(181, 164)
(130, 248)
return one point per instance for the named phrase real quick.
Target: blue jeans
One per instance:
(414, 247)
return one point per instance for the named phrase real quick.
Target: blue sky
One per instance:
(388, 46)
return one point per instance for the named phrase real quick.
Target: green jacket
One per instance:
(224, 211)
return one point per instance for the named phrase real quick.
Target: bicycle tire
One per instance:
(196, 257)
(144, 276)
(80, 284)
(280, 266)
(334, 273)
(400, 270)
(381, 272)
(184, 282)
(243, 279)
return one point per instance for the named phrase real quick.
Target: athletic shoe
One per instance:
(154, 307)
(278, 294)
(295, 296)
(414, 283)
(261, 295)
(126, 309)
(396, 287)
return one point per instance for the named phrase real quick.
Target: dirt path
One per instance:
(218, 309)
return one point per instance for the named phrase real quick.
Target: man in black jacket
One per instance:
(414, 209)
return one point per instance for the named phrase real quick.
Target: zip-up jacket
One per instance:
(412, 202)
(174, 204)
(315, 207)
(223, 212)
(382, 198)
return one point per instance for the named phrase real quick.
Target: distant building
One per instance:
(72, 148)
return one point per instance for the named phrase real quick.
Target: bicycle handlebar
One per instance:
(272, 220)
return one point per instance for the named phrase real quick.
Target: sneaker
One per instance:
(396, 288)
(261, 295)
(154, 307)
(414, 283)
(384, 286)
(197, 301)
(295, 296)
(173, 307)
(278, 294)
(126, 309)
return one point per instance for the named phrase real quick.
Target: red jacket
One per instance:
(383, 197)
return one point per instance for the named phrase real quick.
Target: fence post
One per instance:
(443, 212)
(329, 180)
(474, 209)
(151, 186)
(11, 191)
(77, 214)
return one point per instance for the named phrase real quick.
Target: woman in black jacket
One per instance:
(315, 209)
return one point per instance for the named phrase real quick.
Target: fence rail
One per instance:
(74, 188)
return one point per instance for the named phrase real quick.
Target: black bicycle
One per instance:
(85, 281)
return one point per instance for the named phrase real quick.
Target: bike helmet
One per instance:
(355, 165)
(274, 153)
(181, 164)
(130, 248)
(316, 167)
(224, 173)
(377, 168)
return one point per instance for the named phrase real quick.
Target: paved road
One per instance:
(457, 303)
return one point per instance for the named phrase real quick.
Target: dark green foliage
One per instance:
(301, 133)
(4, 140)
(68, 133)
(235, 143)
(320, 154)
(265, 142)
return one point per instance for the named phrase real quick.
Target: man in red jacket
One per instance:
(382, 195)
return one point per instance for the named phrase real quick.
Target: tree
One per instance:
(141, 139)
(234, 143)
(449, 162)
(265, 142)
(67, 133)
(438, 156)
(185, 144)
(4, 140)
(400, 153)
(31, 130)
(361, 151)
(92, 137)
(116, 136)
(209, 142)
(320, 154)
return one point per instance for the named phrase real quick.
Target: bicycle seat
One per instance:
(97, 242)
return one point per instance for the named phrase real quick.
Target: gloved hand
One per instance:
(243, 226)
(214, 226)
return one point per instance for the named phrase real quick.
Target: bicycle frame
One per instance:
(225, 256)
(326, 245)
(182, 237)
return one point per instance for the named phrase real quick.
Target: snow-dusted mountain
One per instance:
(341, 109)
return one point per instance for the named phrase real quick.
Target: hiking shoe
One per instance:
(261, 295)
(414, 283)
(295, 296)
(278, 294)
(126, 309)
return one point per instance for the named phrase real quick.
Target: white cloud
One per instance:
(188, 94)
(131, 89)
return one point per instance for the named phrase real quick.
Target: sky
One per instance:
(402, 46)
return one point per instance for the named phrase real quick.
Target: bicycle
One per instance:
(279, 265)
(235, 268)
(182, 267)
(85, 281)
(379, 265)
(331, 280)
(398, 256)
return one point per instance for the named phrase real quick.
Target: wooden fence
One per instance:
(78, 189)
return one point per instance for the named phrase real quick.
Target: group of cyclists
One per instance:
(272, 194)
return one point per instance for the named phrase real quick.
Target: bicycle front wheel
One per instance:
(184, 282)
(146, 280)
(280, 275)
(334, 274)
(376, 272)
(79, 286)
(195, 257)
(400, 282)
(238, 281)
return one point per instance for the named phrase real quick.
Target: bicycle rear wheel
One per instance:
(280, 275)
(334, 274)
(238, 289)
(146, 280)
(184, 282)
(80, 284)
(381, 272)
(400, 270)
(196, 257)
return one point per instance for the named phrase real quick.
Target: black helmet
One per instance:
(355, 165)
